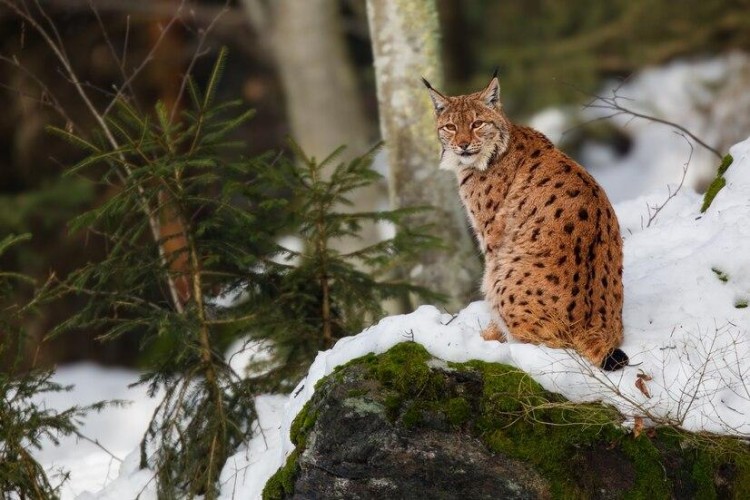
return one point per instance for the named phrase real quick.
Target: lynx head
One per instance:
(473, 129)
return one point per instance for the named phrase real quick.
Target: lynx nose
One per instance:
(463, 145)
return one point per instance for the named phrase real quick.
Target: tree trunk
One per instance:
(323, 100)
(322, 97)
(405, 45)
(167, 73)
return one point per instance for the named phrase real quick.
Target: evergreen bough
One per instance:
(25, 422)
(188, 221)
(328, 293)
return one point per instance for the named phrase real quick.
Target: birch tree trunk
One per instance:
(323, 101)
(322, 98)
(405, 42)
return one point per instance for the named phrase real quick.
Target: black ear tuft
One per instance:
(615, 360)
(439, 101)
(494, 73)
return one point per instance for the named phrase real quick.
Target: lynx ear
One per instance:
(491, 94)
(438, 99)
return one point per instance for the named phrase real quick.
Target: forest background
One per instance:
(306, 67)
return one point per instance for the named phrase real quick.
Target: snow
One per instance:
(683, 326)
(119, 430)
(706, 96)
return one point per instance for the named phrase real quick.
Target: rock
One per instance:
(403, 425)
(354, 450)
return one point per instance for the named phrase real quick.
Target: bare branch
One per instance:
(55, 44)
(671, 194)
(47, 97)
(614, 104)
(119, 60)
(149, 57)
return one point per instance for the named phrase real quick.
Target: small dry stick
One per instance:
(654, 211)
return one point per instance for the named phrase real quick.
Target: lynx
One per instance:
(550, 238)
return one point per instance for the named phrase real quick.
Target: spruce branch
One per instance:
(24, 421)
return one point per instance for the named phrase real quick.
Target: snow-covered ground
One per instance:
(684, 327)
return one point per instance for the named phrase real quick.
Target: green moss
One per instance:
(404, 368)
(723, 458)
(650, 480)
(741, 463)
(458, 411)
(720, 274)
(303, 422)
(741, 304)
(392, 402)
(725, 162)
(702, 473)
(411, 387)
(281, 484)
(718, 183)
(411, 416)
(519, 418)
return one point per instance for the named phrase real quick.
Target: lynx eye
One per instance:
(477, 124)
(450, 127)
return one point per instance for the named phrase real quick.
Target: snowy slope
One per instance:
(682, 327)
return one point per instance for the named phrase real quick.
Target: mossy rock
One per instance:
(402, 424)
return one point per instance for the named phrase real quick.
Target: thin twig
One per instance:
(55, 44)
(45, 91)
(96, 443)
(672, 194)
(146, 60)
(119, 60)
(199, 51)
(613, 103)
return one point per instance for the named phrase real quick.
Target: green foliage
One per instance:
(187, 222)
(718, 183)
(552, 52)
(25, 421)
(183, 225)
(328, 293)
(46, 207)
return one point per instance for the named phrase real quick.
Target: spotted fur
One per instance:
(551, 240)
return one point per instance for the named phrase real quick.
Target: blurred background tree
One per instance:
(307, 68)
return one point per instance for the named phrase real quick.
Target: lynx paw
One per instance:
(492, 332)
